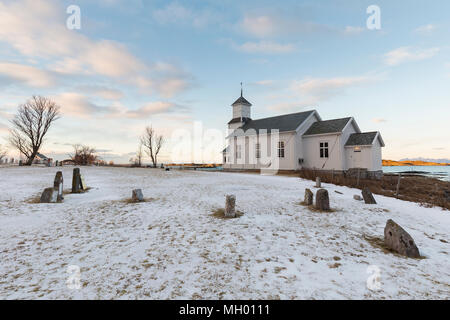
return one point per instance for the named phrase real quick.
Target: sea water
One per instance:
(439, 172)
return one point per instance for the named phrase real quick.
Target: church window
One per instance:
(324, 150)
(281, 149)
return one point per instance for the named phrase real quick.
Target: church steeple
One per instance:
(241, 111)
(241, 100)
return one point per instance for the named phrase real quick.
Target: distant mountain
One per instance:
(392, 163)
(427, 160)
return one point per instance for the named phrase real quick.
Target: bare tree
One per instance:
(83, 155)
(31, 124)
(3, 153)
(152, 142)
(139, 155)
(137, 161)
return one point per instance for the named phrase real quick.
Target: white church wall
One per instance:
(234, 126)
(311, 149)
(290, 152)
(369, 157)
(348, 130)
(359, 159)
(269, 152)
(299, 147)
(377, 156)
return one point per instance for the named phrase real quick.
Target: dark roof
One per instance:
(328, 126)
(41, 156)
(242, 100)
(237, 120)
(361, 139)
(288, 122)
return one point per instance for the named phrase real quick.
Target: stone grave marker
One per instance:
(230, 206)
(322, 200)
(368, 196)
(50, 195)
(318, 183)
(58, 185)
(76, 180)
(137, 195)
(397, 239)
(309, 197)
(82, 183)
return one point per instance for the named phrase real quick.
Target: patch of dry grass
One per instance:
(378, 243)
(314, 209)
(69, 191)
(37, 198)
(34, 200)
(220, 214)
(131, 201)
(334, 266)
(424, 190)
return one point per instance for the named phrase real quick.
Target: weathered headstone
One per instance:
(50, 195)
(368, 196)
(318, 183)
(76, 180)
(137, 195)
(82, 183)
(357, 197)
(58, 185)
(397, 239)
(322, 200)
(230, 206)
(309, 197)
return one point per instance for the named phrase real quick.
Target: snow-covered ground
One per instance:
(172, 248)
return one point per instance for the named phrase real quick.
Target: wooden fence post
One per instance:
(398, 185)
(357, 179)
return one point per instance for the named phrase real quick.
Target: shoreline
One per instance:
(438, 172)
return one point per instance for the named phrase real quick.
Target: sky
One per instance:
(178, 65)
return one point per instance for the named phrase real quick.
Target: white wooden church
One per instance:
(299, 140)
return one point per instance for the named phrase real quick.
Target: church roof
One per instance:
(363, 139)
(328, 126)
(241, 100)
(41, 156)
(284, 123)
(238, 120)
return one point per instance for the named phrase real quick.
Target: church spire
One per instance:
(241, 100)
